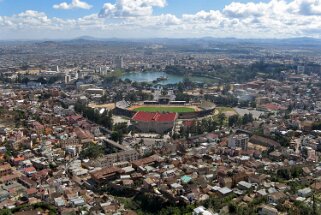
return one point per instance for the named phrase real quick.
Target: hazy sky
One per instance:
(48, 19)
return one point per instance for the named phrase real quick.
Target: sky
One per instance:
(65, 19)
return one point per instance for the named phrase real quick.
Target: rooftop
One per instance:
(157, 117)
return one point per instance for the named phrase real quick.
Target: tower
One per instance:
(67, 78)
(119, 62)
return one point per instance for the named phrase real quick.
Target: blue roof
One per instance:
(186, 178)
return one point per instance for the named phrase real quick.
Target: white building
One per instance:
(238, 141)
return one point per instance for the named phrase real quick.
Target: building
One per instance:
(96, 91)
(267, 210)
(154, 122)
(67, 78)
(305, 192)
(106, 174)
(238, 141)
(122, 156)
(119, 62)
(201, 210)
(300, 69)
(5, 169)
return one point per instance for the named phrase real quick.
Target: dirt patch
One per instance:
(108, 106)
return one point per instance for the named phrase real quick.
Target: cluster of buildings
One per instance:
(273, 158)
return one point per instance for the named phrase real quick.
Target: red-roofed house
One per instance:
(154, 122)
(273, 107)
(29, 171)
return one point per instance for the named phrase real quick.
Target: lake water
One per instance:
(152, 76)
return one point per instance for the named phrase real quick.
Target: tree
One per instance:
(247, 118)
(221, 118)
(5, 212)
(92, 151)
(244, 103)
(253, 104)
(233, 120)
(117, 136)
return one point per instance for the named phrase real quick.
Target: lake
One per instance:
(152, 76)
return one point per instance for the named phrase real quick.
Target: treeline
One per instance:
(42, 80)
(50, 209)
(289, 173)
(119, 129)
(236, 120)
(228, 100)
(104, 119)
(235, 73)
(183, 97)
(137, 96)
(177, 70)
(198, 127)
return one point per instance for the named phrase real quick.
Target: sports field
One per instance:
(164, 109)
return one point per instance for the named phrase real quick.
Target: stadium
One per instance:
(183, 109)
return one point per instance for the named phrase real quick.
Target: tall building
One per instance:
(300, 69)
(55, 68)
(67, 78)
(238, 141)
(119, 62)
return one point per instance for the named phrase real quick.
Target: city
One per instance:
(159, 125)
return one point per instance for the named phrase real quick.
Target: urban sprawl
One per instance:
(215, 128)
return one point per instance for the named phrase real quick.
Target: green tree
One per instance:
(221, 117)
(117, 136)
(92, 151)
(233, 120)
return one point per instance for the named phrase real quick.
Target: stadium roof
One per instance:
(157, 117)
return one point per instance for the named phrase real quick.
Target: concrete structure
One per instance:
(119, 62)
(239, 140)
(110, 159)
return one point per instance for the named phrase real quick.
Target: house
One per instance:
(29, 171)
(106, 174)
(243, 185)
(151, 160)
(59, 202)
(305, 192)
(267, 210)
(5, 169)
(17, 160)
(27, 182)
(276, 198)
(4, 195)
(201, 210)
(224, 191)
(9, 178)
(276, 155)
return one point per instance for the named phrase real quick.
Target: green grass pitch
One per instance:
(165, 109)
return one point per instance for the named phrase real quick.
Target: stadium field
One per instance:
(164, 109)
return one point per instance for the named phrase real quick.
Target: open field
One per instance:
(226, 110)
(164, 109)
(108, 106)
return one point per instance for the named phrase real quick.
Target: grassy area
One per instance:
(165, 109)
(226, 110)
